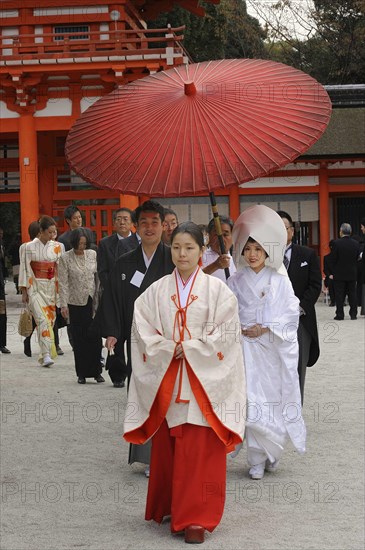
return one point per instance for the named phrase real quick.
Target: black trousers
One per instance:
(86, 348)
(3, 321)
(343, 288)
(304, 342)
(3, 318)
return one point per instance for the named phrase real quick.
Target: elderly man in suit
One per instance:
(344, 256)
(305, 274)
(109, 250)
(122, 241)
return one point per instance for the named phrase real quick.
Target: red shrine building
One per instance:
(56, 60)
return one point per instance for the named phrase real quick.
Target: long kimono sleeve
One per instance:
(281, 311)
(110, 313)
(63, 281)
(22, 282)
(102, 263)
(149, 379)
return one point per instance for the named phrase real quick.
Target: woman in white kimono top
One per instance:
(269, 316)
(187, 389)
(38, 281)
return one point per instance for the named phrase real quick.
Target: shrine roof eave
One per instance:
(344, 136)
(150, 9)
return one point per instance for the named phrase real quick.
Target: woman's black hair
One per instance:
(76, 235)
(192, 229)
(251, 240)
(33, 230)
(45, 222)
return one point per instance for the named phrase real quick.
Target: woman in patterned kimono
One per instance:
(269, 316)
(38, 282)
(187, 390)
(77, 277)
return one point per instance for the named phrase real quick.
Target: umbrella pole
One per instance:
(218, 229)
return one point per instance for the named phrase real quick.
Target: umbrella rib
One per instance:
(213, 155)
(113, 150)
(263, 123)
(162, 143)
(214, 123)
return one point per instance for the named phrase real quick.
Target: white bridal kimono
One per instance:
(271, 361)
(207, 386)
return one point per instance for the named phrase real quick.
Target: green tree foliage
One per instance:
(9, 220)
(332, 47)
(340, 40)
(227, 31)
(244, 36)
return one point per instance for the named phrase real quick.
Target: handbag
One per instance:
(61, 322)
(116, 363)
(25, 325)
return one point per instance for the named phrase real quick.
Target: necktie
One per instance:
(286, 261)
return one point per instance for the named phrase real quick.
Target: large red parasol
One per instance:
(196, 128)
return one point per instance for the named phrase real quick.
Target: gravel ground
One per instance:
(66, 483)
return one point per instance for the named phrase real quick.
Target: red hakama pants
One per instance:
(187, 477)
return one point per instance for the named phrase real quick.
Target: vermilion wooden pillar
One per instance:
(129, 201)
(28, 168)
(324, 205)
(46, 172)
(234, 202)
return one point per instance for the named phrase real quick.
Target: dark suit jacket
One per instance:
(115, 314)
(65, 239)
(327, 265)
(305, 275)
(344, 255)
(109, 250)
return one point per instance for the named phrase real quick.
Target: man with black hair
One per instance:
(122, 241)
(304, 272)
(73, 218)
(133, 273)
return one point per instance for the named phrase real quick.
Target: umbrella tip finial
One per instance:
(189, 88)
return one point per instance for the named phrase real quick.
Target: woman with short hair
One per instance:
(77, 278)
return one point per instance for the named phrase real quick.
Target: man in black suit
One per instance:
(122, 241)
(73, 219)
(344, 256)
(305, 275)
(328, 271)
(133, 273)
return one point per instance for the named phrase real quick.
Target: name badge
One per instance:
(137, 279)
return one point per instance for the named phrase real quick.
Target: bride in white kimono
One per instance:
(187, 390)
(269, 316)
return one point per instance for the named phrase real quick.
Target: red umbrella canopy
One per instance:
(198, 128)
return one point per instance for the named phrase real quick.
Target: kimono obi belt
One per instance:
(43, 270)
